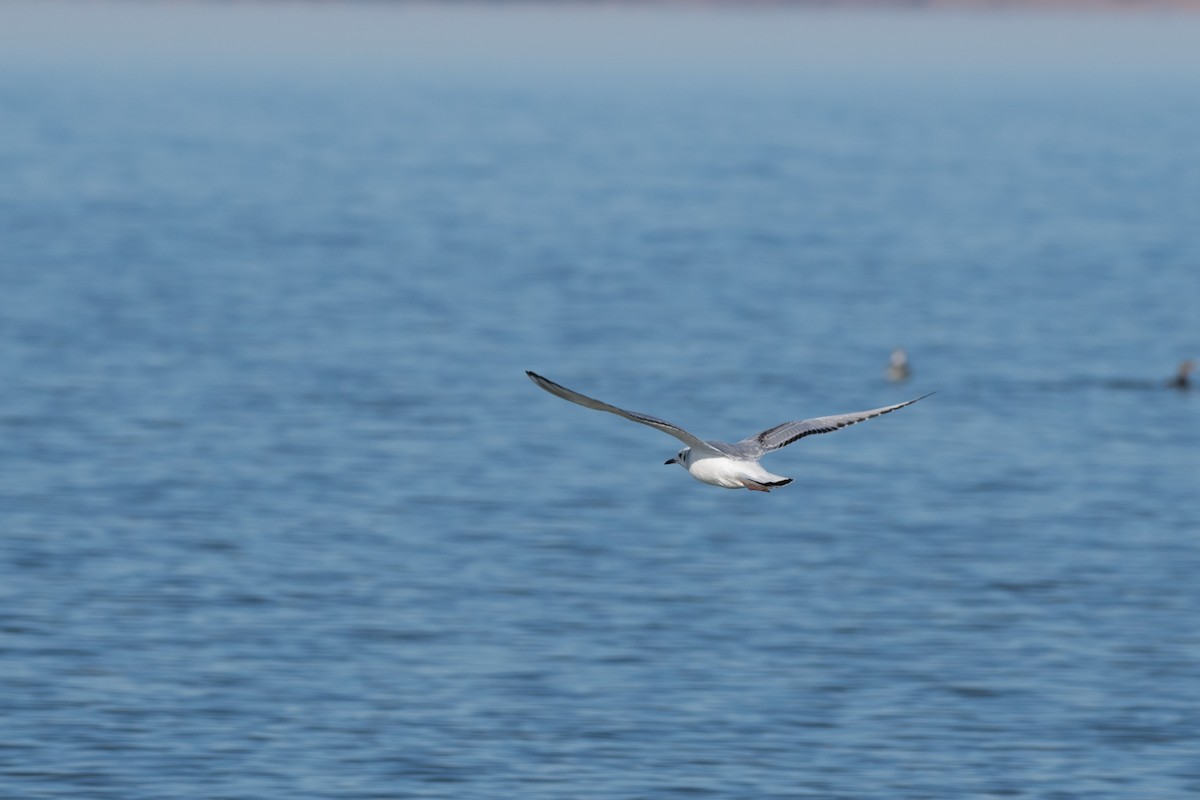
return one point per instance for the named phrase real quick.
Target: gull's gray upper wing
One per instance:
(788, 432)
(590, 402)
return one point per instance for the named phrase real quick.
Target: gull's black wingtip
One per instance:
(538, 380)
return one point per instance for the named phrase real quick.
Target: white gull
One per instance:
(731, 465)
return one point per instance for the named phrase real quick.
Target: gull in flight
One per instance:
(731, 465)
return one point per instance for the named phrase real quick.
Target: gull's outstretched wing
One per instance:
(788, 432)
(590, 402)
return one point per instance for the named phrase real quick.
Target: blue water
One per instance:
(281, 516)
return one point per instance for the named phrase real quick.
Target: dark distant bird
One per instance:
(898, 369)
(1183, 378)
(730, 465)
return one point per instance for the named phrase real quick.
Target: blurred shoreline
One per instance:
(813, 5)
(847, 5)
(818, 5)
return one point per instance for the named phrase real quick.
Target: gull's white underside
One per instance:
(732, 473)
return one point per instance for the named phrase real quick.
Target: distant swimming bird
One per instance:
(1183, 378)
(731, 465)
(898, 369)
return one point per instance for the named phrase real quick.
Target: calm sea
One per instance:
(282, 517)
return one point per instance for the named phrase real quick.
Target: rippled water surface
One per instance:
(281, 516)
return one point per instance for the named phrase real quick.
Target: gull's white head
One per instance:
(681, 458)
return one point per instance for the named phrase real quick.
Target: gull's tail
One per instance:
(764, 486)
